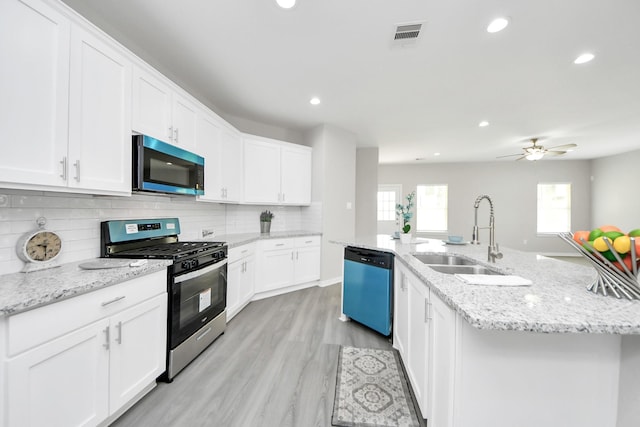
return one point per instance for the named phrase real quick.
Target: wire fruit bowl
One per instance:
(610, 280)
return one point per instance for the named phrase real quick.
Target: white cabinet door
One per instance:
(34, 83)
(261, 171)
(231, 164)
(64, 382)
(151, 103)
(235, 272)
(185, 118)
(246, 290)
(99, 115)
(138, 346)
(208, 133)
(442, 363)
(295, 175)
(276, 270)
(418, 341)
(307, 264)
(401, 312)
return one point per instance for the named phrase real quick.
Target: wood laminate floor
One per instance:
(274, 366)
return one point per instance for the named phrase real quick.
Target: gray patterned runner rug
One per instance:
(371, 390)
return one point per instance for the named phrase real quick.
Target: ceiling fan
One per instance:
(536, 151)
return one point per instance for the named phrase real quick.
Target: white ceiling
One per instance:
(251, 59)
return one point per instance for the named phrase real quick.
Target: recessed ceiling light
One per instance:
(497, 24)
(314, 101)
(286, 4)
(483, 124)
(436, 154)
(585, 57)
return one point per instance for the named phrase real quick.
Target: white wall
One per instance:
(615, 198)
(77, 217)
(334, 186)
(366, 191)
(513, 189)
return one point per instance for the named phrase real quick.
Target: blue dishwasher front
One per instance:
(368, 288)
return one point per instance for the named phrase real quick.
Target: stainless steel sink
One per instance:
(463, 269)
(443, 259)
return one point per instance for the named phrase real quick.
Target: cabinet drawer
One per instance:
(37, 326)
(303, 241)
(240, 252)
(276, 244)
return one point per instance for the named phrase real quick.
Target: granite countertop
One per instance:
(24, 291)
(557, 301)
(234, 240)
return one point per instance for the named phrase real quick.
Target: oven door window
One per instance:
(197, 297)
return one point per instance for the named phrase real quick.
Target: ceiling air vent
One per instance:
(407, 32)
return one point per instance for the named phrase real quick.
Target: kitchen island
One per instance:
(548, 354)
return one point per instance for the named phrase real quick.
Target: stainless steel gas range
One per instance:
(196, 282)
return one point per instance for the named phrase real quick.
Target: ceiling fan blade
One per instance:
(555, 153)
(563, 147)
(509, 155)
(522, 157)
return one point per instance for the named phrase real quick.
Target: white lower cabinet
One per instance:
(81, 361)
(287, 262)
(240, 278)
(424, 334)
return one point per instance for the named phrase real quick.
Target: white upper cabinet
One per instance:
(221, 146)
(65, 119)
(276, 172)
(161, 112)
(34, 83)
(99, 115)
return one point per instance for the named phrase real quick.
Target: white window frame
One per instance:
(388, 226)
(560, 211)
(444, 219)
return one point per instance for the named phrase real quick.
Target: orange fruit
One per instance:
(606, 228)
(626, 261)
(581, 234)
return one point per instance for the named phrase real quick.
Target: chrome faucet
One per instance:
(493, 252)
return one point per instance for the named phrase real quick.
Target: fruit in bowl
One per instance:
(620, 242)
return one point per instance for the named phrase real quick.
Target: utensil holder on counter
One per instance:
(610, 280)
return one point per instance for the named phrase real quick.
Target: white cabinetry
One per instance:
(162, 112)
(66, 113)
(240, 278)
(221, 146)
(97, 353)
(425, 334)
(287, 262)
(276, 172)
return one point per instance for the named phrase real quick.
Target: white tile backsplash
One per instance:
(77, 217)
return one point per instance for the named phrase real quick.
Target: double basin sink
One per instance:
(453, 264)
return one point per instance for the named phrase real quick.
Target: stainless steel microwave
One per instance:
(165, 168)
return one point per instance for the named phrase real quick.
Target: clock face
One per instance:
(43, 246)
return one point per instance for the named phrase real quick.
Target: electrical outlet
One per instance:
(4, 200)
(206, 232)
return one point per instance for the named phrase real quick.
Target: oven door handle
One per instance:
(184, 277)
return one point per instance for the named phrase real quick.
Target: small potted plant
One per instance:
(265, 221)
(404, 212)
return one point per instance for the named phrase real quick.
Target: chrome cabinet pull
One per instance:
(108, 338)
(297, 255)
(279, 244)
(77, 165)
(63, 162)
(426, 311)
(291, 256)
(175, 132)
(113, 300)
(170, 133)
(119, 339)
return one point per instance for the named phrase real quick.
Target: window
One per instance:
(431, 207)
(554, 208)
(387, 199)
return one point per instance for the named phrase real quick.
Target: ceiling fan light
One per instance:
(536, 155)
(497, 24)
